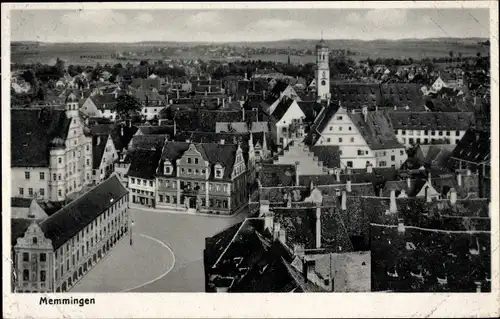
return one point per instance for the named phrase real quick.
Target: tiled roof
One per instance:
(328, 155)
(144, 163)
(157, 130)
(435, 154)
(215, 245)
(18, 226)
(20, 202)
(73, 217)
(450, 121)
(299, 225)
(104, 101)
(147, 142)
(473, 147)
(311, 109)
(434, 255)
(120, 134)
(277, 175)
(355, 95)
(98, 147)
(377, 130)
(401, 95)
(282, 108)
(205, 120)
(225, 154)
(32, 133)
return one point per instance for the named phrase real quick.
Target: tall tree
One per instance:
(127, 106)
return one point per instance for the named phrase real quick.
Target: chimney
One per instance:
(408, 182)
(311, 186)
(229, 99)
(276, 231)
(121, 131)
(264, 94)
(393, 208)
(478, 286)
(282, 236)
(206, 93)
(242, 114)
(297, 175)
(218, 101)
(469, 173)
(429, 177)
(401, 226)
(210, 88)
(395, 108)
(171, 102)
(344, 200)
(177, 93)
(318, 226)
(223, 102)
(98, 139)
(337, 175)
(246, 76)
(459, 179)
(348, 185)
(210, 79)
(453, 196)
(222, 141)
(175, 128)
(369, 168)
(364, 110)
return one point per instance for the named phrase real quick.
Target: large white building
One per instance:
(413, 128)
(54, 254)
(51, 152)
(364, 138)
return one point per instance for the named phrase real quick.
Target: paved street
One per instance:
(149, 264)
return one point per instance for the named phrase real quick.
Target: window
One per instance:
(349, 164)
(144, 183)
(151, 183)
(26, 175)
(448, 133)
(30, 191)
(331, 128)
(340, 128)
(393, 158)
(59, 160)
(339, 118)
(182, 170)
(382, 164)
(59, 192)
(42, 192)
(352, 139)
(21, 191)
(43, 257)
(403, 132)
(190, 170)
(457, 133)
(360, 152)
(26, 257)
(440, 133)
(433, 133)
(340, 139)
(218, 173)
(283, 129)
(401, 152)
(88, 162)
(42, 175)
(203, 171)
(350, 128)
(196, 160)
(426, 140)
(328, 140)
(26, 275)
(132, 181)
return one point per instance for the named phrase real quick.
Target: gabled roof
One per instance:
(377, 130)
(18, 226)
(143, 163)
(120, 134)
(311, 109)
(20, 202)
(473, 147)
(147, 142)
(282, 108)
(157, 130)
(72, 218)
(450, 121)
(98, 146)
(32, 133)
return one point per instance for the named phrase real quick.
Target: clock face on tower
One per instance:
(323, 82)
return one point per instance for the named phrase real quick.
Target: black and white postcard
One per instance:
(206, 159)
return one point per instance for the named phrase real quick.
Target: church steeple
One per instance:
(322, 70)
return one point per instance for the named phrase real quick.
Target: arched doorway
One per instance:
(75, 276)
(80, 271)
(63, 287)
(70, 282)
(95, 257)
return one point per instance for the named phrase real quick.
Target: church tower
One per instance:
(322, 71)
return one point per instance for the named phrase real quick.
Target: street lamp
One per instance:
(131, 226)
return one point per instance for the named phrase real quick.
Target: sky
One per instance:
(235, 25)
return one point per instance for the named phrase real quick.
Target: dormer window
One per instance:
(219, 171)
(168, 168)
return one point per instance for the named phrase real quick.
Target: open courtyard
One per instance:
(166, 254)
